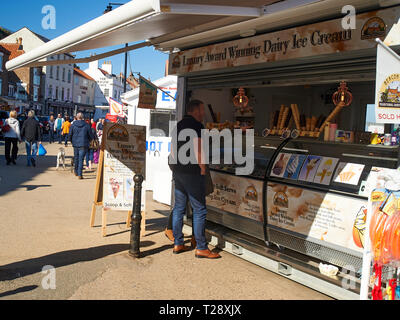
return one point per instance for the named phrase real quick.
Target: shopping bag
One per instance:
(42, 150)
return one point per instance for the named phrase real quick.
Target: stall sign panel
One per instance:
(327, 217)
(237, 195)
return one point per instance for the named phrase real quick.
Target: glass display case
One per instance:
(303, 194)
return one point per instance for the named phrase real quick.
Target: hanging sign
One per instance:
(116, 108)
(147, 94)
(387, 100)
(305, 41)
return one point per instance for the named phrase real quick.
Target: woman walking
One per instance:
(12, 136)
(93, 147)
(32, 135)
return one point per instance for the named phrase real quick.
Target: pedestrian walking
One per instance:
(58, 127)
(31, 133)
(93, 124)
(190, 182)
(93, 146)
(65, 130)
(11, 138)
(51, 129)
(80, 136)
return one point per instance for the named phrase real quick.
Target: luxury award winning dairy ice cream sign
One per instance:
(124, 156)
(311, 40)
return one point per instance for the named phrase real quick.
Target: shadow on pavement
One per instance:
(30, 266)
(13, 177)
(19, 290)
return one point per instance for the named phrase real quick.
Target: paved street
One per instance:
(45, 221)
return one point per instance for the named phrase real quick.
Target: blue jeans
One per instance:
(66, 139)
(59, 135)
(89, 156)
(192, 187)
(79, 156)
(31, 151)
(51, 135)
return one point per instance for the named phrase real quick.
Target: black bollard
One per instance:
(134, 250)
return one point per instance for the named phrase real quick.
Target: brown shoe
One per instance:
(193, 242)
(80, 177)
(180, 249)
(169, 234)
(207, 254)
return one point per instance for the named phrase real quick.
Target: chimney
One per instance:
(107, 66)
(19, 41)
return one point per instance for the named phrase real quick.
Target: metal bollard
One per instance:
(134, 250)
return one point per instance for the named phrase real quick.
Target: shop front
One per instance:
(305, 92)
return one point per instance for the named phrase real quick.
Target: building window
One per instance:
(63, 75)
(58, 73)
(1, 61)
(79, 99)
(106, 92)
(77, 81)
(69, 76)
(51, 72)
(11, 90)
(67, 94)
(35, 94)
(62, 94)
(50, 92)
(36, 76)
(56, 93)
(115, 94)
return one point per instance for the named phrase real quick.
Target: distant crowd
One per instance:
(84, 135)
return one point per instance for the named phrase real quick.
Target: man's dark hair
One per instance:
(193, 105)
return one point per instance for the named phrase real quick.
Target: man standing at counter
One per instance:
(189, 177)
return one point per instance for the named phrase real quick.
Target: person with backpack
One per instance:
(32, 135)
(11, 137)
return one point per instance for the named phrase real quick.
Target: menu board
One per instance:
(124, 157)
(328, 217)
(348, 173)
(237, 195)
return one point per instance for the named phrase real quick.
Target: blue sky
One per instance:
(71, 14)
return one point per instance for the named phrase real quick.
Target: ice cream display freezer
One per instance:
(303, 195)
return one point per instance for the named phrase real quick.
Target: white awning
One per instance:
(184, 23)
(138, 20)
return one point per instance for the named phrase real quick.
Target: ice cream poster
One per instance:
(294, 166)
(278, 169)
(325, 171)
(327, 217)
(310, 168)
(348, 173)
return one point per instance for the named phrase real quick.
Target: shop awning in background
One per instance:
(178, 24)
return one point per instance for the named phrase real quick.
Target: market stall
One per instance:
(305, 93)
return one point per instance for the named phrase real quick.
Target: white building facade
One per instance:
(108, 84)
(83, 93)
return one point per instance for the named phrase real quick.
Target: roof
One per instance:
(83, 74)
(104, 72)
(13, 48)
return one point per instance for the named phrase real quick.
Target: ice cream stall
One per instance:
(305, 91)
